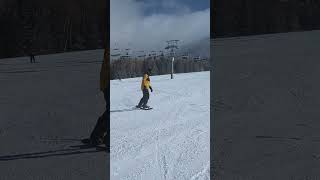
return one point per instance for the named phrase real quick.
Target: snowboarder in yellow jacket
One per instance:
(145, 86)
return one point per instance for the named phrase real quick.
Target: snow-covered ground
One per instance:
(46, 108)
(266, 101)
(169, 142)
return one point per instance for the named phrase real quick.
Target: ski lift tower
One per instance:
(172, 46)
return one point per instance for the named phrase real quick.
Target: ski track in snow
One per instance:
(169, 142)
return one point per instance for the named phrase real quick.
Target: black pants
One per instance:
(32, 59)
(99, 132)
(144, 100)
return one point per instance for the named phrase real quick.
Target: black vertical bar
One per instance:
(106, 21)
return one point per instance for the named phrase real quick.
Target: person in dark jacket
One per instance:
(145, 86)
(32, 58)
(99, 134)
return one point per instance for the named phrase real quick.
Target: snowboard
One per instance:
(149, 108)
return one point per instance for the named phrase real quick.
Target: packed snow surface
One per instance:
(46, 108)
(171, 141)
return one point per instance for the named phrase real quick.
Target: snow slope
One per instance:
(266, 107)
(46, 108)
(169, 142)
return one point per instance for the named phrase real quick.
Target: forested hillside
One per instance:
(50, 26)
(248, 17)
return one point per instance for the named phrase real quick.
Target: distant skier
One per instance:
(32, 58)
(99, 135)
(145, 86)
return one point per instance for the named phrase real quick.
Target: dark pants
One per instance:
(99, 132)
(32, 59)
(144, 100)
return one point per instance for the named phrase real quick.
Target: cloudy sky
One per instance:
(148, 24)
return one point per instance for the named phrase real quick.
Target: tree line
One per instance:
(130, 68)
(50, 26)
(250, 17)
(68, 25)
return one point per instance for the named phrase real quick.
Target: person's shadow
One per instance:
(72, 150)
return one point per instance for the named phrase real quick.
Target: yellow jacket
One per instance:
(145, 82)
(104, 74)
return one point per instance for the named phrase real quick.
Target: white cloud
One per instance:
(131, 28)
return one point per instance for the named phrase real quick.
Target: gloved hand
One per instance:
(151, 89)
